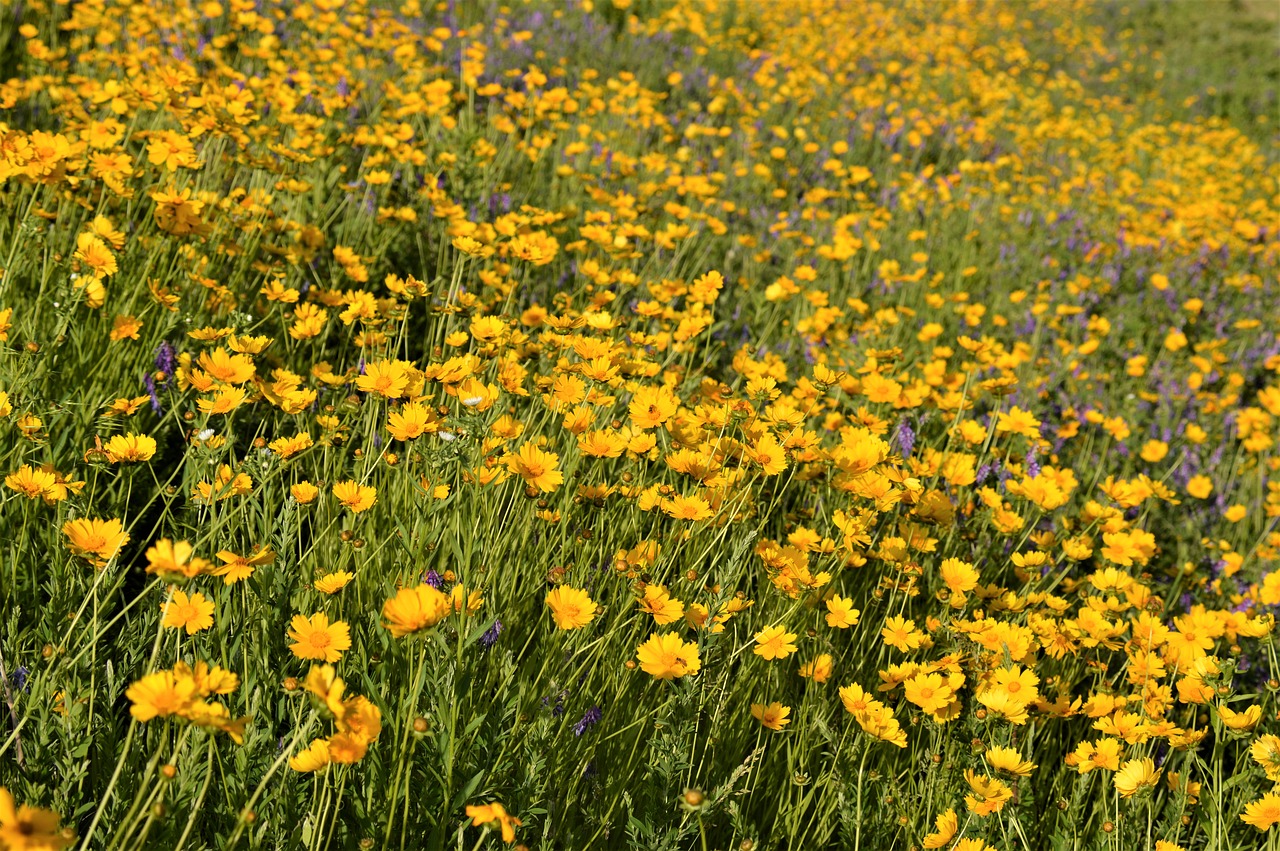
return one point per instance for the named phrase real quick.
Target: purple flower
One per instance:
(558, 709)
(490, 637)
(588, 721)
(1033, 463)
(166, 361)
(906, 438)
(433, 579)
(150, 381)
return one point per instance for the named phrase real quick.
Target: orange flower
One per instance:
(355, 496)
(96, 541)
(415, 609)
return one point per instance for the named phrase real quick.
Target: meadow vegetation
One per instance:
(649, 424)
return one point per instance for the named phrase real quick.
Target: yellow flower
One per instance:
(667, 657)
(415, 609)
(360, 718)
(222, 365)
(323, 682)
(972, 844)
(1200, 487)
(287, 447)
(26, 828)
(987, 794)
(1004, 704)
(536, 467)
(130, 447)
(774, 716)
(856, 699)
(840, 612)
(652, 406)
(355, 496)
(819, 670)
(930, 692)
(412, 421)
(192, 613)
(683, 507)
(1266, 752)
(1246, 720)
(34, 484)
(488, 814)
(901, 633)
(945, 827)
(461, 601)
(571, 608)
(96, 541)
(658, 602)
(225, 485)
(877, 721)
(1134, 775)
(959, 576)
(316, 638)
(386, 378)
(304, 492)
(1263, 813)
(1018, 421)
(94, 254)
(175, 559)
(1020, 684)
(1009, 761)
(774, 642)
(314, 757)
(1104, 754)
(235, 568)
(332, 583)
(347, 748)
(161, 694)
(125, 328)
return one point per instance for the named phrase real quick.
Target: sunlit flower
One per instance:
(571, 608)
(774, 716)
(192, 613)
(355, 496)
(316, 638)
(96, 541)
(667, 657)
(774, 642)
(414, 609)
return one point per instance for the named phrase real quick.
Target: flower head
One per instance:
(96, 541)
(316, 638)
(773, 716)
(26, 828)
(130, 448)
(414, 609)
(668, 657)
(494, 814)
(355, 496)
(774, 642)
(192, 613)
(1136, 775)
(1263, 813)
(571, 608)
